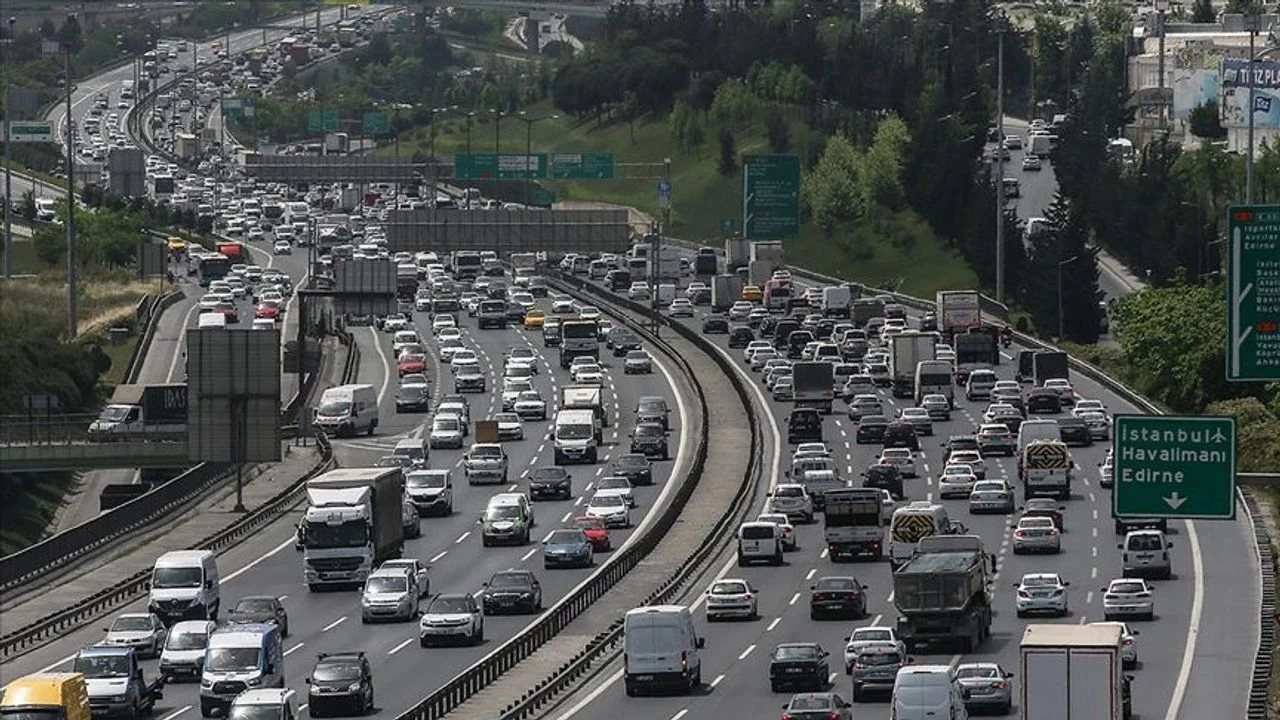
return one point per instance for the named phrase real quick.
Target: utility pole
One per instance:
(1160, 10)
(72, 300)
(1000, 168)
(8, 161)
(1248, 158)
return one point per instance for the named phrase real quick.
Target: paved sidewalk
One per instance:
(729, 443)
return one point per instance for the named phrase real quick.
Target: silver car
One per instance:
(1036, 534)
(986, 686)
(792, 500)
(1042, 593)
(875, 669)
(144, 632)
(991, 496)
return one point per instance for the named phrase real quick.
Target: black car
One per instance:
(715, 325)
(1044, 400)
(839, 597)
(884, 477)
(413, 398)
(1074, 431)
(796, 342)
(1045, 507)
(653, 409)
(871, 429)
(804, 425)
(901, 435)
(650, 440)
(512, 591)
(623, 342)
(799, 665)
(261, 609)
(550, 482)
(634, 467)
(740, 336)
(340, 684)
(701, 296)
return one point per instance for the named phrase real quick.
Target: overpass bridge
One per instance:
(61, 442)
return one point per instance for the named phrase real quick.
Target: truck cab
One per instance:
(57, 696)
(116, 685)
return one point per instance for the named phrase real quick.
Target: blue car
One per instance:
(567, 548)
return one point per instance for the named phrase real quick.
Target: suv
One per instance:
(491, 313)
(340, 682)
(650, 440)
(884, 477)
(900, 434)
(486, 462)
(653, 409)
(452, 616)
(512, 591)
(759, 541)
(804, 425)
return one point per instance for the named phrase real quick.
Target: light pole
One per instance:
(1062, 264)
(530, 168)
(497, 155)
(8, 161)
(1000, 164)
(72, 299)
(1161, 7)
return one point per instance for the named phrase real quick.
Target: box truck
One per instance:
(155, 412)
(814, 385)
(958, 311)
(1072, 672)
(908, 349)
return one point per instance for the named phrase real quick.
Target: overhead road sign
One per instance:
(30, 132)
(488, 166)
(376, 123)
(1174, 467)
(771, 197)
(342, 168)
(1253, 293)
(582, 166)
(323, 121)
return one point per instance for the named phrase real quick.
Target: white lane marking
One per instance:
(386, 364)
(577, 501)
(718, 679)
(1193, 625)
(438, 555)
(1088, 598)
(462, 538)
(528, 555)
(177, 712)
(1093, 574)
(773, 624)
(811, 573)
(334, 624)
(399, 647)
(794, 599)
(680, 714)
(303, 706)
(747, 652)
(566, 517)
(299, 646)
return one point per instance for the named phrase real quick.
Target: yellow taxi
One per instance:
(752, 293)
(534, 319)
(176, 244)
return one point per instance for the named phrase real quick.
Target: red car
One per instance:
(410, 364)
(596, 531)
(230, 312)
(271, 312)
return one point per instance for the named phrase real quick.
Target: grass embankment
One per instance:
(23, 523)
(901, 248)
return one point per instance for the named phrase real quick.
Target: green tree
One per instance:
(831, 188)
(1062, 250)
(734, 105)
(778, 131)
(881, 177)
(728, 164)
(1202, 12)
(1205, 122)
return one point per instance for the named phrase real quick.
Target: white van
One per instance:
(183, 654)
(574, 439)
(184, 585)
(347, 410)
(666, 293)
(927, 692)
(1032, 430)
(759, 541)
(264, 704)
(249, 655)
(211, 321)
(661, 649)
(911, 524)
(1145, 553)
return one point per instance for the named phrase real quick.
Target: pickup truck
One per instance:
(115, 682)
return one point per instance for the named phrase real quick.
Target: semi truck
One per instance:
(852, 523)
(957, 311)
(579, 338)
(1045, 469)
(737, 253)
(1050, 365)
(814, 386)
(942, 593)
(976, 349)
(725, 291)
(908, 350)
(156, 412)
(1072, 672)
(354, 521)
(585, 397)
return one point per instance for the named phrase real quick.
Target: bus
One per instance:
(163, 187)
(210, 267)
(777, 294)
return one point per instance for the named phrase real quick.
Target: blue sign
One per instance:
(1266, 73)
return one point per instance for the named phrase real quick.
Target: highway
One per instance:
(330, 621)
(1212, 599)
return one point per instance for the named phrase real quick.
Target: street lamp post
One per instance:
(1000, 167)
(8, 161)
(1062, 264)
(530, 170)
(497, 154)
(72, 299)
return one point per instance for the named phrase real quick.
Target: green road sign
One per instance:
(1253, 292)
(770, 196)
(727, 226)
(376, 123)
(1176, 467)
(323, 121)
(487, 166)
(582, 166)
(26, 132)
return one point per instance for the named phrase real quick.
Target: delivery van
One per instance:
(185, 586)
(927, 692)
(661, 649)
(64, 696)
(249, 655)
(346, 410)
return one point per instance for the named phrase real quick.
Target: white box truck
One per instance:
(958, 311)
(725, 291)
(836, 301)
(1072, 672)
(908, 350)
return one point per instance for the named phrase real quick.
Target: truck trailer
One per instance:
(958, 311)
(725, 291)
(1072, 672)
(942, 593)
(852, 523)
(737, 254)
(354, 521)
(907, 350)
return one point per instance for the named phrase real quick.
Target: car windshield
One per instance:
(564, 537)
(631, 461)
(548, 473)
(1127, 587)
(485, 451)
(980, 671)
(810, 703)
(729, 588)
(574, 432)
(232, 659)
(652, 405)
(607, 501)
(176, 577)
(795, 652)
(502, 512)
(335, 408)
(131, 624)
(1040, 581)
(336, 671)
(1145, 543)
(255, 605)
(837, 584)
(637, 355)
(509, 580)
(445, 423)
(649, 431)
(878, 658)
(784, 491)
(427, 480)
(873, 634)
(444, 605)
(102, 666)
(507, 418)
(186, 641)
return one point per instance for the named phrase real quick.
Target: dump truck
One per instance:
(725, 291)
(942, 593)
(585, 397)
(353, 522)
(1045, 469)
(814, 385)
(1050, 365)
(852, 523)
(865, 309)
(907, 350)
(958, 311)
(1072, 672)
(153, 412)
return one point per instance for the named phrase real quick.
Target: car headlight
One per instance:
(364, 602)
(353, 687)
(255, 682)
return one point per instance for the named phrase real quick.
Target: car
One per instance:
(282, 247)
(623, 341)
(510, 427)
(1042, 593)
(340, 683)
(899, 434)
(1083, 405)
(1036, 534)
(413, 394)
(550, 482)
(613, 509)
(511, 591)
(639, 290)
(868, 637)
(956, 480)
(871, 429)
(1128, 642)
(789, 541)
(810, 449)
(637, 362)
(874, 668)
(516, 368)
(650, 440)
(144, 632)
(447, 431)
(732, 597)
(534, 319)
(680, 307)
(567, 548)
(985, 686)
(595, 529)
(411, 364)
(442, 322)
(1046, 507)
(451, 616)
(792, 500)
(587, 374)
(469, 379)
(825, 705)
(391, 593)
(995, 438)
(741, 337)
(529, 405)
(837, 596)
(1074, 431)
(740, 310)
(522, 356)
(901, 458)
(1098, 423)
(972, 458)
(715, 325)
(798, 665)
(919, 418)
(486, 461)
(633, 466)
(562, 305)
(863, 405)
(394, 323)
(260, 609)
(1029, 161)
(1062, 386)
(1043, 401)
(991, 496)
(1128, 598)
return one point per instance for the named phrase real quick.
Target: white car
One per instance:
(793, 501)
(282, 247)
(403, 338)
(612, 509)
(392, 323)
(732, 597)
(562, 305)
(1128, 643)
(639, 290)
(452, 616)
(440, 322)
(991, 496)
(509, 426)
(973, 459)
(1128, 598)
(1063, 388)
(680, 307)
(447, 431)
(789, 541)
(449, 348)
(616, 485)
(518, 369)
(529, 405)
(144, 632)
(465, 360)
(1042, 593)
(810, 449)
(523, 355)
(588, 375)
(918, 418)
(448, 334)
(956, 480)
(753, 347)
(1036, 534)
(740, 311)
(762, 356)
(866, 637)
(1083, 405)
(901, 458)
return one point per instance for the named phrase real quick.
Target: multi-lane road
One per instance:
(330, 621)
(1196, 656)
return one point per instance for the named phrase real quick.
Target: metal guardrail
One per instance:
(140, 512)
(475, 678)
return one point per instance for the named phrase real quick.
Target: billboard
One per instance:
(509, 231)
(1235, 94)
(233, 410)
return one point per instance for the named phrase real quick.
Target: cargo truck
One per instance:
(1050, 365)
(354, 521)
(852, 523)
(957, 311)
(768, 251)
(942, 593)
(977, 349)
(1045, 469)
(705, 263)
(836, 300)
(585, 397)
(865, 309)
(737, 254)
(579, 338)
(814, 385)
(115, 682)
(907, 350)
(154, 412)
(1072, 672)
(725, 291)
